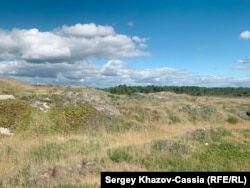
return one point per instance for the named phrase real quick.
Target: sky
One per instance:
(105, 43)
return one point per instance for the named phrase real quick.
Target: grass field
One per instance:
(155, 132)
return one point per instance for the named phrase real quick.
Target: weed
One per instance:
(245, 133)
(232, 120)
(174, 118)
(205, 135)
(245, 107)
(226, 156)
(171, 147)
(165, 162)
(89, 148)
(9, 150)
(24, 176)
(47, 152)
(114, 97)
(120, 155)
(139, 118)
(218, 134)
(121, 127)
(158, 145)
(201, 112)
(75, 186)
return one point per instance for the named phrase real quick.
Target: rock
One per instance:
(41, 105)
(5, 97)
(100, 105)
(5, 131)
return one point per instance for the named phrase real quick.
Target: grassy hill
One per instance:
(86, 131)
(19, 89)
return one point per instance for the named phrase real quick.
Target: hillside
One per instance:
(67, 135)
(17, 88)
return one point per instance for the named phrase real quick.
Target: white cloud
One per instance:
(243, 61)
(139, 40)
(62, 56)
(87, 30)
(114, 72)
(142, 45)
(245, 35)
(241, 68)
(113, 68)
(130, 24)
(69, 43)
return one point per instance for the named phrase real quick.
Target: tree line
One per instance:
(190, 90)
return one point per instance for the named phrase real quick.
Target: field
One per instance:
(86, 131)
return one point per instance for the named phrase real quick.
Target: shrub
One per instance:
(232, 120)
(201, 112)
(71, 118)
(174, 118)
(120, 155)
(15, 114)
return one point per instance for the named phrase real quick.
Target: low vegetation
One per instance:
(70, 118)
(15, 114)
(80, 135)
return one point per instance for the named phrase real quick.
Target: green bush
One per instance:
(232, 120)
(174, 118)
(120, 155)
(15, 114)
(71, 118)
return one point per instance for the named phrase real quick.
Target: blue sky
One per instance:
(102, 43)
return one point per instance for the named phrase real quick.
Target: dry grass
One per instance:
(18, 153)
(145, 136)
(19, 89)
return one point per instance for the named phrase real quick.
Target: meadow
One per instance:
(80, 135)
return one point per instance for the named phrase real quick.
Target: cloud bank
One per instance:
(113, 73)
(62, 56)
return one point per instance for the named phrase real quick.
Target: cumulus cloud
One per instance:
(114, 68)
(138, 39)
(68, 43)
(245, 35)
(62, 56)
(87, 30)
(141, 42)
